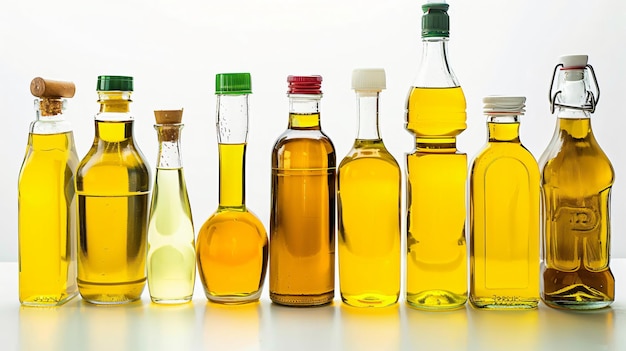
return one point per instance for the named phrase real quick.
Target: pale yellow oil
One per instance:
(504, 223)
(302, 219)
(436, 264)
(232, 247)
(576, 185)
(112, 183)
(47, 220)
(368, 203)
(171, 261)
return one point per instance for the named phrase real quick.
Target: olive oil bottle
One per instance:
(368, 204)
(576, 181)
(112, 182)
(436, 264)
(232, 248)
(302, 218)
(171, 261)
(504, 213)
(47, 201)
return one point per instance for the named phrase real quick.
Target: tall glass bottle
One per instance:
(302, 218)
(368, 204)
(46, 201)
(436, 175)
(232, 243)
(576, 180)
(112, 182)
(504, 213)
(171, 261)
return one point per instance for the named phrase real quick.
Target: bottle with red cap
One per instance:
(302, 219)
(576, 180)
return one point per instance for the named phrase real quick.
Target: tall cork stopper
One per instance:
(170, 121)
(51, 93)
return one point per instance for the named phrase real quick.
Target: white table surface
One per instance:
(200, 325)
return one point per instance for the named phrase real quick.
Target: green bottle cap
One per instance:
(435, 21)
(233, 83)
(115, 83)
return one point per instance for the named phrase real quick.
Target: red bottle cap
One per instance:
(305, 85)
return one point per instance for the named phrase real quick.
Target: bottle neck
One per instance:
(232, 176)
(434, 70)
(304, 112)
(114, 106)
(49, 118)
(367, 115)
(503, 128)
(575, 128)
(574, 93)
(232, 119)
(170, 156)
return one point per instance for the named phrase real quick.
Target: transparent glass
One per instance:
(302, 218)
(232, 248)
(368, 205)
(46, 210)
(112, 182)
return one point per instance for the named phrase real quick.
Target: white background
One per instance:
(174, 48)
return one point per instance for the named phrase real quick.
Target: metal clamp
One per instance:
(592, 100)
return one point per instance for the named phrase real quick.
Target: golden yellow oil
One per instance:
(576, 183)
(368, 203)
(112, 183)
(47, 220)
(171, 261)
(436, 182)
(504, 223)
(302, 219)
(232, 245)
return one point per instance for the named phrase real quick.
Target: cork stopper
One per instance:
(169, 123)
(46, 88)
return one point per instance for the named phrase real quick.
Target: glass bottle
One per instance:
(171, 261)
(504, 213)
(302, 218)
(436, 175)
(46, 201)
(576, 180)
(113, 182)
(232, 243)
(368, 205)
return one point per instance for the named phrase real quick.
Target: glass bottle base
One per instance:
(234, 299)
(369, 300)
(111, 294)
(503, 303)
(48, 300)
(170, 301)
(436, 300)
(303, 300)
(576, 305)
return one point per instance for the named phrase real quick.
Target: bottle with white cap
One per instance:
(576, 180)
(504, 213)
(368, 183)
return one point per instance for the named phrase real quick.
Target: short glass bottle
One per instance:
(368, 205)
(302, 218)
(47, 200)
(112, 182)
(232, 247)
(171, 261)
(504, 213)
(576, 181)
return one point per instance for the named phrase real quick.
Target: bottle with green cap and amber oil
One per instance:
(368, 205)
(112, 182)
(47, 201)
(232, 245)
(436, 175)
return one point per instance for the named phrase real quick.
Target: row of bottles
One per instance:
(88, 226)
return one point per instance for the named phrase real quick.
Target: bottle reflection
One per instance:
(111, 327)
(444, 330)
(298, 328)
(170, 327)
(579, 330)
(370, 328)
(45, 328)
(234, 326)
(505, 330)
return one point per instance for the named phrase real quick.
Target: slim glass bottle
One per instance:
(112, 182)
(171, 261)
(436, 175)
(368, 204)
(504, 213)
(46, 201)
(232, 243)
(302, 219)
(576, 180)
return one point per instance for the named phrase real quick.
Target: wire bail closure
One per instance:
(592, 100)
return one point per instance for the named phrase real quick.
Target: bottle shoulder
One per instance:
(505, 158)
(371, 154)
(232, 220)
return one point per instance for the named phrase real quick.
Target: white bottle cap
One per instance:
(369, 79)
(573, 61)
(509, 105)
